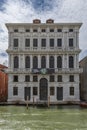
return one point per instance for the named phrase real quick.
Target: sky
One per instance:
(12, 11)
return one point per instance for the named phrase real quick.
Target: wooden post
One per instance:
(48, 101)
(27, 102)
(33, 101)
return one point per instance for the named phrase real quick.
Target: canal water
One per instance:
(54, 118)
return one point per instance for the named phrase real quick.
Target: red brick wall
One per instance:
(3, 84)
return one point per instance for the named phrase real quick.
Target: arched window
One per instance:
(35, 62)
(43, 62)
(16, 62)
(51, 62)
(27, 62)
(59, 62)
(71, 62)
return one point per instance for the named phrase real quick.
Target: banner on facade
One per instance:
(43, 71)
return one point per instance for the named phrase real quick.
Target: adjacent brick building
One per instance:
(83, 79)
(3, 84)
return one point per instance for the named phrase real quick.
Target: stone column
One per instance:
(63, 61)
(47, 61)
(31, 61)
(39, 61)
(55, 62)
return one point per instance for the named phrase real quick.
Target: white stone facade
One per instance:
(67, 31)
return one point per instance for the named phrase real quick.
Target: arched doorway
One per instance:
(43, 89)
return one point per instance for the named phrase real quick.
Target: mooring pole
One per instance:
(48, 101)
(27, 102)
(33, 101)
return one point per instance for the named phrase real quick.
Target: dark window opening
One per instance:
(70, 30)
(15, 44)
(27, 62)
(43, 62)
(71, 42)
(52, 91)
(71, 62)
(27, 30)
(71, 78)
(15, 30)
(35, 62)
(27, 78)
(51, 42)
(59, 78)
(52, 78)
(51, 62)
(43, 42)
(35, 42)
(59, 30)
(59, 62)
(35, 78)
(59, 42)
(27, 42)
(15, 91)
(35, 91)
(15, 78)
(72, 91)
(43, 30)
(16, 62)
(51, 30)
(34, 30)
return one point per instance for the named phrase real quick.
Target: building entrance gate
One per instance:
(43, 89)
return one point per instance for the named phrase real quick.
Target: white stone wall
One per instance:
(65, 52)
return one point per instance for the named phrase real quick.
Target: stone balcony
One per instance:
(43, 49)
(56, 70)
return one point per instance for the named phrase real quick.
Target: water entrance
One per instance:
(27, 92)
(43, 89)
(59, 93)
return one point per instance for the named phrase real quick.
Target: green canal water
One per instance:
(58, 118)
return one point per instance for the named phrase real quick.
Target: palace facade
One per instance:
(43, 61)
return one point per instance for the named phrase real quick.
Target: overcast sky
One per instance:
(27, 10)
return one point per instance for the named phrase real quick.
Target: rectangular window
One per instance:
(34, 30)
(70, 30)
(52, 91)
(51, 42)
(71, 78)
(71, 91)
(15, 30)
(43, 43)
(27, 30)
(59, 78)
(51, 78)
(51, 30)
(27, 78)
(15, 78)
(35, 91)
(27, 42)
(71, 42)
(35, 42)
(15, 91)
(59, 42)
(43, 30)
(59, 30)
(15, 42)
(35, 78)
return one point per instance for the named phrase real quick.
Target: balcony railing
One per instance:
(43, 49)
(54, 70)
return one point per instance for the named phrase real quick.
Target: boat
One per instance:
(83, 104)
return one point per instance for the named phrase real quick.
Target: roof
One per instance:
(84, 59)
(43, 24)
(3, 66)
